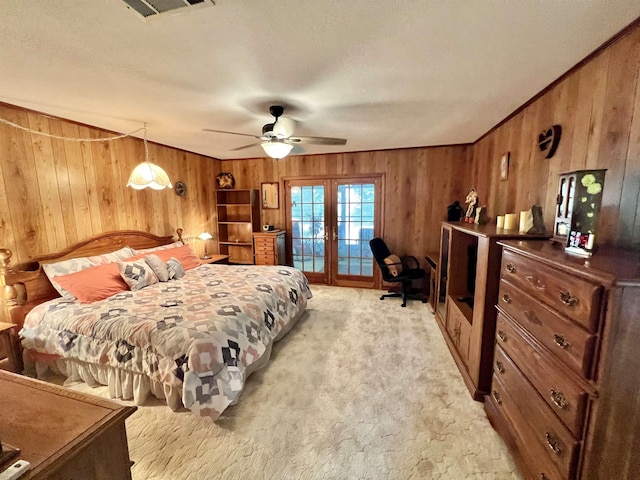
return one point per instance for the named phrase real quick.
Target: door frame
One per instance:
(330, 245)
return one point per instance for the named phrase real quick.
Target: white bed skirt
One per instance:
(124, 384)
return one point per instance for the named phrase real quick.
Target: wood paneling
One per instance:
(419, 183)
(598, 107)
(54, 193)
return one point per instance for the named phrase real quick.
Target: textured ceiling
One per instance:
(381, 73)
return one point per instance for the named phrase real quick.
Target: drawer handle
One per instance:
(543, 477)
(502, 336)
(499, 367)
(496, 397)
(568, 299)
(506, 298)
(558, 399)
(535, 282)
(560, 341)
(553, 444)
(510, 268)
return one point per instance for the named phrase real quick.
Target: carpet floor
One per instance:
(359, 389)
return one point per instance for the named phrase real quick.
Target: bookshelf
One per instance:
(238, 218)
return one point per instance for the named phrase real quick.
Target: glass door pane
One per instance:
(307, 217)
(355, 222)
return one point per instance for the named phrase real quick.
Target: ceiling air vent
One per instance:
(151, 8)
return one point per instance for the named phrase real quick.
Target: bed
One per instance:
(191, 341)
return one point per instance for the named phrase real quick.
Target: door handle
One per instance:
(334, 233)
(326, 233)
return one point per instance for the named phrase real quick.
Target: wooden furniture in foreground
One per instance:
(468, 276)
(215, 259)
(9, 345)
(238, 218)
(270, 247)
(64, 434)
(567, 363)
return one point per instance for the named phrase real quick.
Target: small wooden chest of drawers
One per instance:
(269, 247)
(566, 358)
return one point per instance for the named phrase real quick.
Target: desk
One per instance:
(62, 433)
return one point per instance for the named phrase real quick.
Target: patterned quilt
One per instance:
(198, 334)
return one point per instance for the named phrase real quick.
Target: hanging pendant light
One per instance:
(147, 174)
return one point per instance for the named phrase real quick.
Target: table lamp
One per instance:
(205, 236)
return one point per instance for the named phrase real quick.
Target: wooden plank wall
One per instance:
(419, 185)
(598, 107)
(54, 193)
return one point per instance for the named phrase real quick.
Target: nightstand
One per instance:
(216, 259)
(8, 342)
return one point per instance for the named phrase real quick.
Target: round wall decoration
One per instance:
(181, 188)
(225, 180)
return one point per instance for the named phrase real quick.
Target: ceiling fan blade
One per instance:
(231, 133)
(317, 140)
(246, 146)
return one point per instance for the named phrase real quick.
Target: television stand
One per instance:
(467, 284)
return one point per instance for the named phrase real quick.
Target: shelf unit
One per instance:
(238, 218)
(467, 290)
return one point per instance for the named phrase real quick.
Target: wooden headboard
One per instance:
(26, 286)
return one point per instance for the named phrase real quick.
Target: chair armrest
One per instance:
(416, 263)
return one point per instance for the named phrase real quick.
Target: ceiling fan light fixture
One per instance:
(276, 149)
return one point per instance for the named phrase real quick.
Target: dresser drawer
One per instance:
(264, 250)
(546, 429)
(565, 397)
(532, 451)
(569, 342)
(266, 260)
(267, 242)
(573, 297)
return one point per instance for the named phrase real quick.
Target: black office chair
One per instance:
(407, 270)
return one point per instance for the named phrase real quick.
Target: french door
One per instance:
(331, 221)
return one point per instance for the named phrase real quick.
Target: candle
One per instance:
(524, 228)
(511, 221)
(500, 221)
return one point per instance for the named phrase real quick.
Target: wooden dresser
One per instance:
(269, 247)
(63, 434)
(565, 391)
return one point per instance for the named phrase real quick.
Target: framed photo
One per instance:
(504, 166)
(270, 195)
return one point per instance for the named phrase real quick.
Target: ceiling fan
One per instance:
(277, 138)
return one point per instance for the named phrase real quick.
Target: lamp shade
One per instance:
(276, 148)
(149, 175)
(205, 236)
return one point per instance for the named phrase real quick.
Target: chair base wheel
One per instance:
(403, 305)
(382, 297)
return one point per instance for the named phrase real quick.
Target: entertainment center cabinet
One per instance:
(468, 278)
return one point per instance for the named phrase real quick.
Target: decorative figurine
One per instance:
(472, 201)
(454, 212)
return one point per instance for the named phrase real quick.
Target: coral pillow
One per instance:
(95, 283)
(183, 254)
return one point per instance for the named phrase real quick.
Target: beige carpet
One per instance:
(359, 389)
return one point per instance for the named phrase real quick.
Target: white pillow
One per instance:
(73, 265)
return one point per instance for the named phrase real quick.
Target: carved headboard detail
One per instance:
(25, 286)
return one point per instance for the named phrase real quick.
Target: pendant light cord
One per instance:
(68, 139)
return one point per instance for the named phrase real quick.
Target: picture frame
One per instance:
(504, 166)
(270, 196)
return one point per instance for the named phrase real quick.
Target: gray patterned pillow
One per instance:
(158, 267)
(174, 266)
(137, 274)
